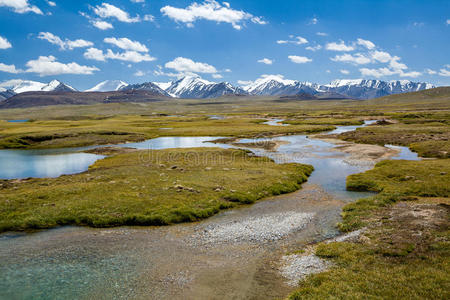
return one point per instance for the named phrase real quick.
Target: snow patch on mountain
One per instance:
(108, 86)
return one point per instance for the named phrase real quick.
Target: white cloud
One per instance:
(315, 48)
(102, 25)
(376, 72)
(183, 65)
(9, 69)
(298, 40)
(266, 61)
(448, 22)
(244, 82)
(430, 72)
(47, 65)
(345, 72)
(328, 71)
(217, 76)
(358, 58)
(322, 34)
(66, 44)
(341, 46)
(212, 11)
(107, 10)
(4, 43)
(299, 59)
(51, 3)
(381, 56)
(313, 21)
(126, 44)
(149, 18)
(95, 54)
(368, 44)
(21, 6)
(227, 70)
(138, 1)
(444, 72)
(139, 73)
(131, 56)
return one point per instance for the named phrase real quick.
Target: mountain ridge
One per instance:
(193, 86)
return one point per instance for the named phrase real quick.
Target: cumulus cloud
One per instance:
(314, 48)
(368, 44)
(66, 44)
(430, 72)
(313, 21)
(341, 46)
(244, 82)
(106, 10)
(131, 56)
(126, 44)
(448, 22)
(322, 34)
(444, 72)
(299, 59)
(102, 25)
(358, 58)
(51, 3)
(266, 61)
(217, 76)
(298, 40)
(47, 65)
(139, 73)
(4, 43)
(182, 64)
(212, 11)
(9, 69)
(20, 6)
(345, 72)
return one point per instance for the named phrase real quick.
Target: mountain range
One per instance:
(194, 86)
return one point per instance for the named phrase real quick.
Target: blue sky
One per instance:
(85, 42)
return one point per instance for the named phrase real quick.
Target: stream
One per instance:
(235, 254)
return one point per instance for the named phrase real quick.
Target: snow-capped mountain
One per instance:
(367, 89)
(16, 86)
(146, 86)
(275, 85)
(108, 86)
(193, 86)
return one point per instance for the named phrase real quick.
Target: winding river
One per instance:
(235, 254)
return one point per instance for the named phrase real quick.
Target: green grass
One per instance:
(405, 252)
(428, 139)
(395, 180)
(147, 188)
(126, 128)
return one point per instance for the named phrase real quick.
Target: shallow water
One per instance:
(17, 121)
(275, 122)
(186, 261)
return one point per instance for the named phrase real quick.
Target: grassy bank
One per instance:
(147, 188)
(404, 253)
(96, 130)
(426, 134)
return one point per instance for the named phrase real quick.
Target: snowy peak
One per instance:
(18, 86)
(57, 86)
(108, 86)
(193, 86)
(146, 86)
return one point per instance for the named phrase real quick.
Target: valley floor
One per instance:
(398, 242)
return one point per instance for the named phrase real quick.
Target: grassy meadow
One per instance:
(157, 187)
